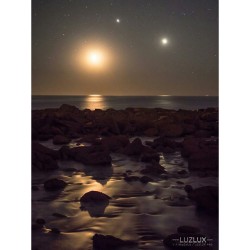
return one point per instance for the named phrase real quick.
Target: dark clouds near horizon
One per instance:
(187, 65)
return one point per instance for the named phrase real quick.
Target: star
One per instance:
(164, 41)
(117, 20)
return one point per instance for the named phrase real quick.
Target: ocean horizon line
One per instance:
(162, 95)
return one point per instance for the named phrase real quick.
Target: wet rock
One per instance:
(163, 142)
(40, 221)
(107, 242)
(54, 184)
(210, 117)
(188, 188)
(170, 129)
(145, 179)
(89, 138)
(94, 196)
(166, 150)
(188, 229)
(36, 226)
(180, 182)
(134, 148)
(131, 178)
(95, 203)
(151, 132)
(188, 129)
(206, 199)
(190, 145)
(66, 108)
(55, 230)
(70, 169)
(115, 143)
(182, 172)
(60, 139)
(150, 156)
(154, 169)
(91, 155)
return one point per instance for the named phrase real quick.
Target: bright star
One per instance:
(117, 20)
(164, 41)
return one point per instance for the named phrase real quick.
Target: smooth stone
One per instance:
(54, 184)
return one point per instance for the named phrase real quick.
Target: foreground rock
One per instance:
(206, 198)
(154, 169)
(54, 184)
(95, 203)
(202, 154)
(95, 196)
(108, 242)
(90, 155)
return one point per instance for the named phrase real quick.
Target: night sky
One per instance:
(82, 47)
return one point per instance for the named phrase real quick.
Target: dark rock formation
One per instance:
(145, 179)
(95, 203)
(90, 155)
(206, 198)
(154, 169)
(94, 196)
(54, 184)
(40, 221)
(129, 178)
(115, 143)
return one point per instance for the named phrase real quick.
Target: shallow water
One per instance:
(142, 212)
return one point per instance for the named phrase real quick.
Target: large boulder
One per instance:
(108, 242)
(95, 203)
(90, 155)
(134, 148)
(154, 169)
(115, 143)
(94, 196)
(206, 198)
(54, 184)
(170, 129)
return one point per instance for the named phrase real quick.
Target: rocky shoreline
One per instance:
(99, 134)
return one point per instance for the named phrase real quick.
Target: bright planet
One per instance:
(164, 41)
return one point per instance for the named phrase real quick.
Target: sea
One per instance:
(122, 102)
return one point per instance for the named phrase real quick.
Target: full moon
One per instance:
(164, 41)
(95, 58)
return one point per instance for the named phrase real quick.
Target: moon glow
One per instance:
(95, 58)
